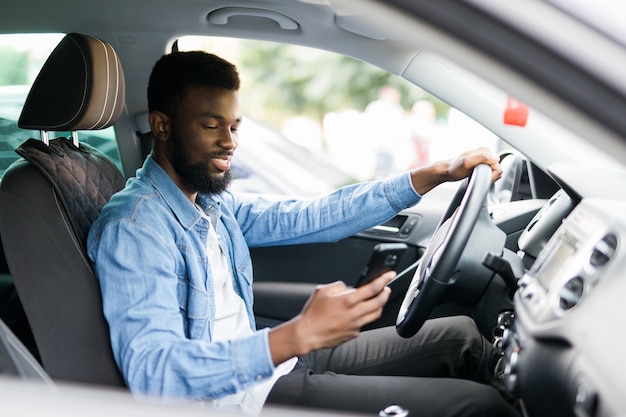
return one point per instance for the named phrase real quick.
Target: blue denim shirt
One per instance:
(148, 251)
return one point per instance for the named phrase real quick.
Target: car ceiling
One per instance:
(124, 22)
(351, 28)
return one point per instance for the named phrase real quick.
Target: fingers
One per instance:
(485, 156)
(496, 171)
(373, 288)
(462, 166)
(332, 287)
(357, 294)
(372, 308)
(367, 301)
(482, 155)
(335, 313)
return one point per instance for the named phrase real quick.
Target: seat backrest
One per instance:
(48, 201)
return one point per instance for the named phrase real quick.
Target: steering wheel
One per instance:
(444, 251)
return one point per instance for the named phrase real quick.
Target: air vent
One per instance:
(603, 251)
(571, 293)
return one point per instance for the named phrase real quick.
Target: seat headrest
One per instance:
(80, 87)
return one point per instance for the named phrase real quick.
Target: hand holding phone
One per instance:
(385, 257)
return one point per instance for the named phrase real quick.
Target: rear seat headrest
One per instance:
(80, 87)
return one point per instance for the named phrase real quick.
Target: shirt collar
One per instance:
(183, 209)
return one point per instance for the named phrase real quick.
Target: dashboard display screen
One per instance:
(552, 259)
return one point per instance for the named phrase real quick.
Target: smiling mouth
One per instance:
(222, 162)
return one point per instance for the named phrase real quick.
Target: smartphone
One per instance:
(385, 257)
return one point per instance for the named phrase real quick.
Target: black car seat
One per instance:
(48, 201)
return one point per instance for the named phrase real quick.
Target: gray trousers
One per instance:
(444, 370)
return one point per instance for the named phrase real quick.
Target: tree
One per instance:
(14, 69)
(305, 81)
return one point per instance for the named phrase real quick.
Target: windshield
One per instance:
(520, 126)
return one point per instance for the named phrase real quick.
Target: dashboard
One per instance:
(563, 353)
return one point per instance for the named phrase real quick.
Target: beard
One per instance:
(197, 174)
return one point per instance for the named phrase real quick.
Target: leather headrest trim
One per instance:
(80, 87)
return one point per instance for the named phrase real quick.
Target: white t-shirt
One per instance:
(231, 322)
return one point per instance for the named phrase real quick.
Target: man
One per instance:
(171, 254)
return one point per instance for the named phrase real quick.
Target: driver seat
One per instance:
(48, 201)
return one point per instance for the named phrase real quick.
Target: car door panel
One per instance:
(326, 262)
(285, 276)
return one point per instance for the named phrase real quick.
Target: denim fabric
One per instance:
(148, 251)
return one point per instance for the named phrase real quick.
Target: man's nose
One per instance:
(229, 140)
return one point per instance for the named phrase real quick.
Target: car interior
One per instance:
(50, 197)
(536, 258)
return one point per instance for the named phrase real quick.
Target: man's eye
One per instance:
(210, 127)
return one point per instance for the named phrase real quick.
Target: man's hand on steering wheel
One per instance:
(440, 262)
(426, 178)
(462, 166)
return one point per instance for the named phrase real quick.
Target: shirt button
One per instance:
(259, 377)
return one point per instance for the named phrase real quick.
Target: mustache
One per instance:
(220, 153)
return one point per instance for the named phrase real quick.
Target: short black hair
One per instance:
(174, 73)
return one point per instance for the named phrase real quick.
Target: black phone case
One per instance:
(385, 257)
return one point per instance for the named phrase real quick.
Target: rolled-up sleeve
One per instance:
(347, 211)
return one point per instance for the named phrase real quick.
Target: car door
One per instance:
(285, 276)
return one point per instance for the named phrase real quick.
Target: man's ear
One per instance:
(160, 125)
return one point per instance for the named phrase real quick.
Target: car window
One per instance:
(22, 57)
(362, 120)
(268, 162)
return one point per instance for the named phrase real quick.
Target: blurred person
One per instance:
(386, 125)
(422, 124)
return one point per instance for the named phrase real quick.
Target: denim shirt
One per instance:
(148, 251)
